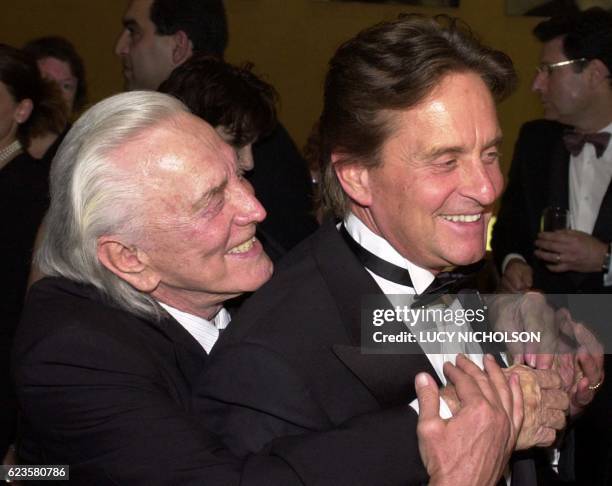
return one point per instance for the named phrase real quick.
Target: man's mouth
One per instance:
(462, 218)
(243, 247)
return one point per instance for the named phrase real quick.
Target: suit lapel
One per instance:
(602, 226)
(389, 377)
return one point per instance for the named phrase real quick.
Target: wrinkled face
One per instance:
(8, 114)
(146, 56)
(199, 226)
(60, 72)
(244, 153)
(431, 198)
(564, 92)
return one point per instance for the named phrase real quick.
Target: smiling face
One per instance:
(198, 231)
(146, 56)
(431, 197)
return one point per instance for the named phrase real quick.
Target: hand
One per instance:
(570, 250)
(486, 426)
(526, 312)
(581, 368)
(544, 406)
(517, 277)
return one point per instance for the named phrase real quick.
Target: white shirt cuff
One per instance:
(511, 256)
(445, 412)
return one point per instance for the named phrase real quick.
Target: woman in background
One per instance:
(29, 106)
(58, 61)
(239, 105)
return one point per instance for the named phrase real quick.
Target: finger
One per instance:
(517, 401)
(559, 267)
(547, 379)
(500, 383)
(555, 399)
(544, 361)
(467, 389)
(554, 419)
(587, 339)
(509, 283)
(583, 395)
(428, 396)
(479, 375)
(567, 339)
(518, 358)
(550, 257)
(548, 245)
(590, 354)
(547, 437)
(559, 236)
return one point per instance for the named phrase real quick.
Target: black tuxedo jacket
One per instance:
(291, 363)
(282, 184)
(538, 178)
(110, 394)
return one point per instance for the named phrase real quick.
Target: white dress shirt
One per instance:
(203, 331)
(589, 178)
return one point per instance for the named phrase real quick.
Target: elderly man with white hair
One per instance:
(151, 228)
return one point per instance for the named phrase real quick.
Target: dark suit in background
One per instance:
(282, 184)
(538, 178)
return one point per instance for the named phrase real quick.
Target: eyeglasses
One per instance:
(548, 68)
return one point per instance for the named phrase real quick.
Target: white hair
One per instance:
(92, 197)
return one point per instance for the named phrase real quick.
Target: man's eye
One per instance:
(447, 164)
(492, 156)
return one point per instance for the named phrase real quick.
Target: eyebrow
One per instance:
(203, 201)
(442, 150)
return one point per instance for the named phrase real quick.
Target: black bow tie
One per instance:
(443, 283)
(574, 141)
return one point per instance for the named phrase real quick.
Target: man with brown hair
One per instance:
(408, 143)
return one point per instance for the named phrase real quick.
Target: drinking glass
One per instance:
(554, 218)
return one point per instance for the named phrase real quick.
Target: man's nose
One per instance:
(121, 47)
(249, 209)
(482, 182)
(539, 82)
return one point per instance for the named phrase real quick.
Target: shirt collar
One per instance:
(421, 278)
(203, 331)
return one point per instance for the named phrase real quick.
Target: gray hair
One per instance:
(92, 197)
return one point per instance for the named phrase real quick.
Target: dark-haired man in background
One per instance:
(160, 35)
(565, 161)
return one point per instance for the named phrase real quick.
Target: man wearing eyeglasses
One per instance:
(565, 161)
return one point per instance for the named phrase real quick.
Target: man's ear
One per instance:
(23, 110)
(355, 180)
(598, 72)
(182, 48)
(128, 262)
